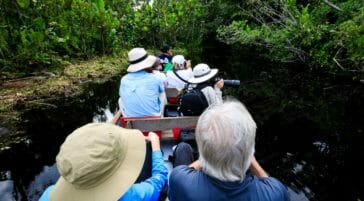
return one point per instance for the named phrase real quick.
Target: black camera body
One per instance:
(232, 83)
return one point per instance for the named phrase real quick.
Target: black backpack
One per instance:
(192, 101)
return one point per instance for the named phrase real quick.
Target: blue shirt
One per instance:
(139, 92)
(188, 184)
(148, 190)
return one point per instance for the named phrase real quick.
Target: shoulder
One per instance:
(151, 77)
(46, 194)
(181, 174)
(186, 183)
(169, 73)
(271, 187)
(207, 89)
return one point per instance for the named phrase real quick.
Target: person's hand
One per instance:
(188, 64)
(154, 140)
(152, 136)
(219, 84)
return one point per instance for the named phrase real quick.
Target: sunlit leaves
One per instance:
(23, 3)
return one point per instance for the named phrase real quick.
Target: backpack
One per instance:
(192, 101)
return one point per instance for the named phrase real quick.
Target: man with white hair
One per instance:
(225, 136)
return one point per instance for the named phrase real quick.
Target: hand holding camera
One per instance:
(219, 84)
(228, 83)
(188, 64)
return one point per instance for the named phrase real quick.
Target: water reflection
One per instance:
(22, 188)
(28, 167)
(6, 187)
(104, 114)
(311, 167)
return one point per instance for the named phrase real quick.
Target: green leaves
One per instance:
(79, 28)
(318, 34)
(23, 3)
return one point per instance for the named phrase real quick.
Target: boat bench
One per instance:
(165, 123)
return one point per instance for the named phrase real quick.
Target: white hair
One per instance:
(225, 136)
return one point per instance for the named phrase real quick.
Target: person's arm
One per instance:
(256, 169)
(213, 96)
(159, 170)
(154, 140)
(162, 96)
(46, 194)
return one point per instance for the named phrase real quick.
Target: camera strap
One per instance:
(179, 77)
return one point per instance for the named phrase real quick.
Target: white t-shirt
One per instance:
(161, 76)
(174, 82)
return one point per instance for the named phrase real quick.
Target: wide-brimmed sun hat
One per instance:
(139, 59)
(202, 73)
(99, 161)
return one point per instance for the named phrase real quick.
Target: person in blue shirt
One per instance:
(225, 136)
(141, 92)
(101, 161)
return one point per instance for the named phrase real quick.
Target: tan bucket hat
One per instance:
(202, 73)
(99, 161)
(139, 59)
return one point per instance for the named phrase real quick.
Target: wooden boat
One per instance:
(164, 124)
(147, 124)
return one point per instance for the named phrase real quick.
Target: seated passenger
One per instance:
(199, 93)
(157, 70)
(225, 136)
(181, 73)
(202, 76)
(166, 57)
(101, 161)
(140, 90)
(157, 67)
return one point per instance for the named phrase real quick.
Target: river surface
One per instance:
(304, 162)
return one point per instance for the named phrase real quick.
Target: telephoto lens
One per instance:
(232, 83)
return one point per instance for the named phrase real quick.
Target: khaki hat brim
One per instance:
(146, 63)
(117, 184)
(197, 80)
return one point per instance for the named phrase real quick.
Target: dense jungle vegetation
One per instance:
(300, 63)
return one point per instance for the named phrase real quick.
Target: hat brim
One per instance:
(118, 183)
(146, 63)
(196, 80)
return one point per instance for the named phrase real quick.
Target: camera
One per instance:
(232, 83)
(229, 83)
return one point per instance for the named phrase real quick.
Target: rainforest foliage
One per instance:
(325, 33)
(48, 32)
(328, 34)
(300, 63)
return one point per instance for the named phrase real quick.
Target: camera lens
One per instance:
(232, 83)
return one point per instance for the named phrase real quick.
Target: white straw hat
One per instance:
(139, 59)
(202, 73)
(99, 161)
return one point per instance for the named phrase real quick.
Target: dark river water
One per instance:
(312, 167)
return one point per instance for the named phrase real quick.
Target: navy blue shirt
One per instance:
(166, 58)
(188, 184)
